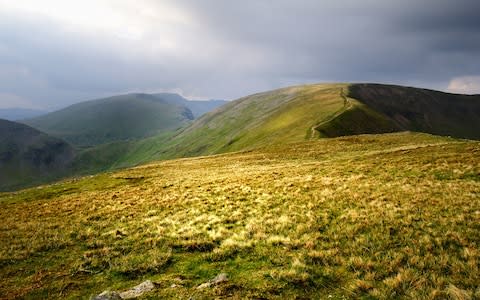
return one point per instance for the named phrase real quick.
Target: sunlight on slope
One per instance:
(367, 216)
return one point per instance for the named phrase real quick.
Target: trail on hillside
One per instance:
(347, 104)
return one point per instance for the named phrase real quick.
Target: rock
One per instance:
(138, 290)
(134, 292)
(107, 295)
(222, 277)
(204, 285)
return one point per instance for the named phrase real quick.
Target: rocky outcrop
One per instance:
(132, 293)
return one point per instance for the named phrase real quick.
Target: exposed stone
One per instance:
(107, 295)
(134, 292)
(138, 290)
(222, 277)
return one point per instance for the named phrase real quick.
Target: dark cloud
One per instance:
(228, 49)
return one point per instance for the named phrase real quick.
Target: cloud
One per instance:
(14, 101)
(465, 85)
(223, 49)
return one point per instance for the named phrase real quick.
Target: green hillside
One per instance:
(111, 131)
(121, 154)
(28, 156)
(280, 116)
(275, 117)
(124, 117)
(391, 216)
(323, 110)
(302, 113)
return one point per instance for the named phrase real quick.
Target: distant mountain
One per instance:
(14, 114)
(28, 156)
(124, 117)
(198, 107)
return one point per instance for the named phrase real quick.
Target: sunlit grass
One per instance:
(379, 216)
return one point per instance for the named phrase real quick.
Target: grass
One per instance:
(372, 216)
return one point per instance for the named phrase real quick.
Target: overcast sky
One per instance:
(57, 52)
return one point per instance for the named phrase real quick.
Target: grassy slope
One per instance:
(111, 119)
(280, 116)
(300, 113)
(322, 110)
(28, 155)
(117, 155)
(382, 216)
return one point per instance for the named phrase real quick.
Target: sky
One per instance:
(57, 52)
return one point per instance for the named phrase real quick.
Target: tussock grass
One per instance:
(374, 216)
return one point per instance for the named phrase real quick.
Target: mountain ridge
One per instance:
(17, 113)
(284, 115)
(290, 115)
(297, 113)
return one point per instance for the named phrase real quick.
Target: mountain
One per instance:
(283, 116)
(279, 116)
(28, 156)
(298, 113)
(198, 107)
(124, 117)
(246, 123)
(14, 114)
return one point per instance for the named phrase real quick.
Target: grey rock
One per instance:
(132, 293)
(222, 277)
(107, 295)
(138, 290)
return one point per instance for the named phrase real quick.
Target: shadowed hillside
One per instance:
(28, 156)
(423, 110)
